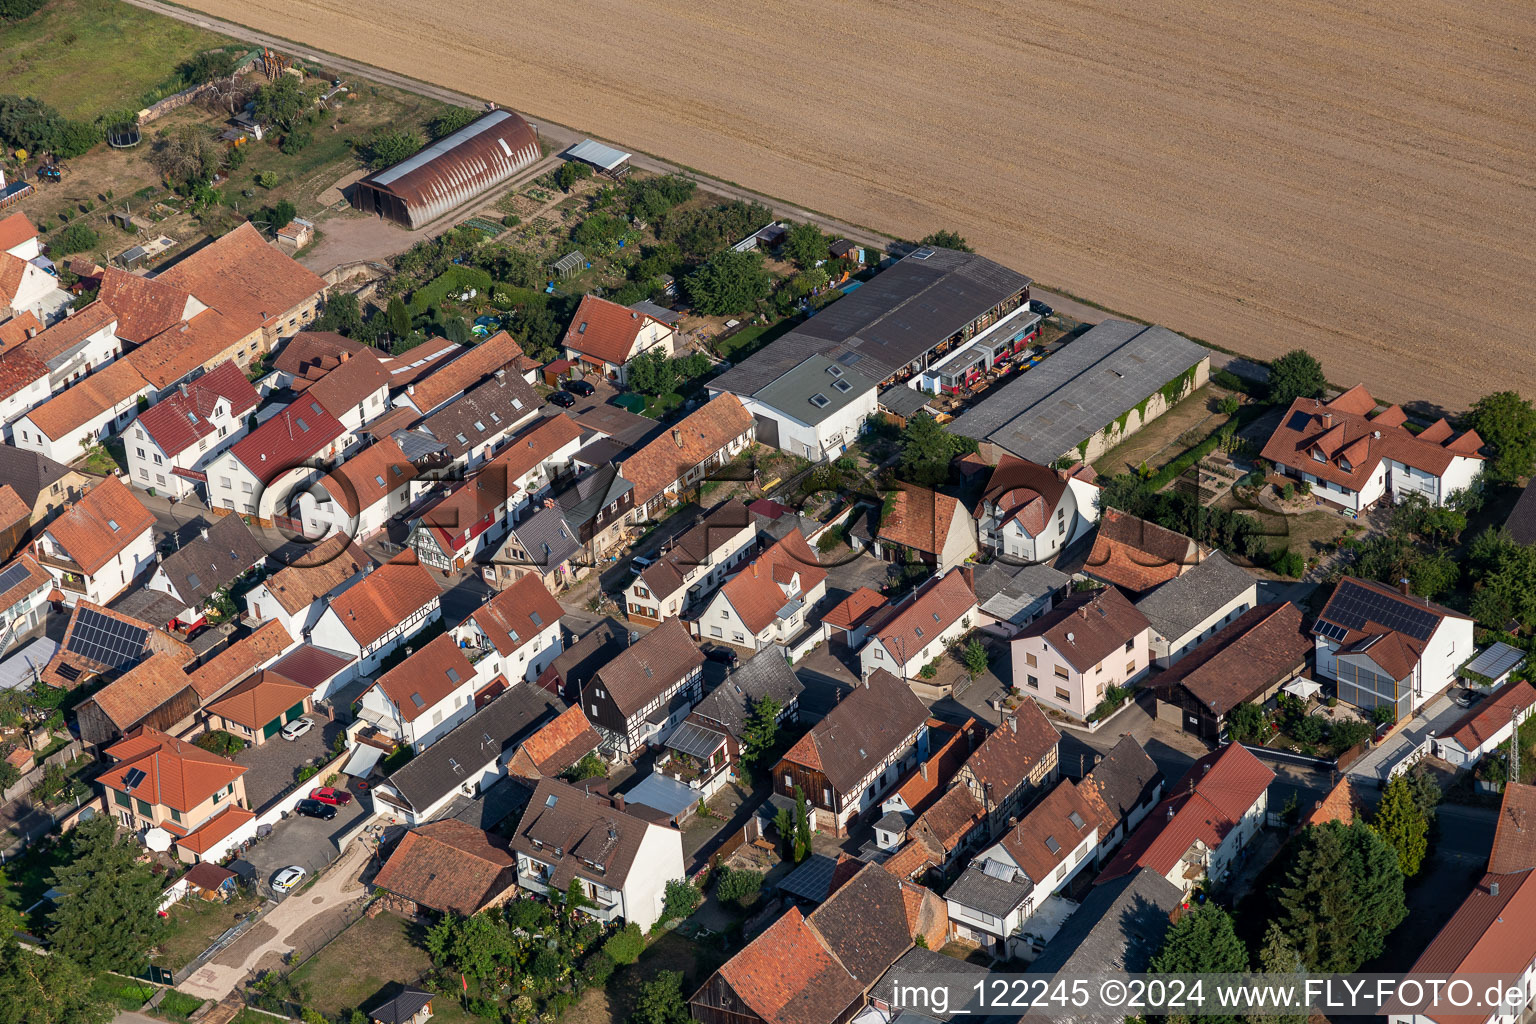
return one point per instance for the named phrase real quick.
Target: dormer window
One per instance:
(1318, 456)
(1344, 465)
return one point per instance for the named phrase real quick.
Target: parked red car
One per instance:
(330, 795)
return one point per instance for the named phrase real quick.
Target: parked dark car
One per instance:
(1465, 698)
(583, 388)
(1036, 306)
(724, 655)
(564, 399)
(315, 809)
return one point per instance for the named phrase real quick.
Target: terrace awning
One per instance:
(1303, 688)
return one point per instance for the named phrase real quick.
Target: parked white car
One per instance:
(296, 728)
(288, 878)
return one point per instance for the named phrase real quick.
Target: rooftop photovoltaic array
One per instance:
(106, 640)
(1353, 607)
(12, 576)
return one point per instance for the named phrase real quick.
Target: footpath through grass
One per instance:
(88, 57)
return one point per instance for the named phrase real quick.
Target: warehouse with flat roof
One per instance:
(1089, 396)
(451, 171)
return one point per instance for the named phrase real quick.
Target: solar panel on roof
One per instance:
(1331, 630)
(12, 576)
(1354, 606)
(106, 640)
(133, 778)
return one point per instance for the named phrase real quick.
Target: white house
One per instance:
(195, 572)
(426, 695)
(1354, 456)
(100, 545)
(622, 862)
(80, 343)
(23, 386)
(359, 497)
(19, 237)
(1029, 512)
(941, 612)
(605, 337)
(1487, 725)
(1198, 832)
(27, 287)
(288, 449)
(769, 601)
(815, 409)
(379, 613)
(1401, 666)
(517, 632)
(992, 901)
(173, 442)
(24, 599)
(355, 392)
(297, 594)
(690, 567)
(1194, 607)
(94, 408)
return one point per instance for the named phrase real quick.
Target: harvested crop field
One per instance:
(1353, 177)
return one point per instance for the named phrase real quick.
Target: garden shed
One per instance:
(571, 264)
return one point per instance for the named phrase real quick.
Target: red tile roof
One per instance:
(949, 747)
(558, 745)
(218, 827)
(1012, 750)
(257, 701)
(101, 524)
(15, 230)
(1493, 932)
(1395, 650)
(518, 614)
(299, 432)
(347, 386)
(1352, 443)
(855, 609)
(1051, 823)
(1514, 837)
(180, 419)
(18, 369)
(72, 330)
(1479, 725)
(370, 476)
(149, 685)
(244, 278)
(178, 774)
(449, 866)
(1138, 555)
(1086, 628)
(182, 349)
(144, 306)
(431, 674)
(385, 598)
(464, 371)
(18, 329)
(919, 519)
(35, 579)
(1342, 804)
(1205, 805)
(937, 606)
(310, 355)
(109, 386)
(698, 436)
(317, 572)
(535, 445)
(605, 330)
(1025, 491)
(787, 975)
(949, 820)
(762, 588)
(1254, 651)
(240, 659)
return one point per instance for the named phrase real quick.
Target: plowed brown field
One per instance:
(1355, 177)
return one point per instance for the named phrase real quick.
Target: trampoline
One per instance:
(124, 136)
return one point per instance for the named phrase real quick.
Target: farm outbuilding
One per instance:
(451, 171)
(604, 159)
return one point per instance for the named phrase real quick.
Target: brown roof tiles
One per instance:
(1086, 628)
(449, 866)
(178, 774)
(101, 524)
(697, 437)
(385, 598)
(1138, 555)
(650, 666)
(873, 721)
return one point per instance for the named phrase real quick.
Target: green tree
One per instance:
(282, 214)
(477, 946)
(761, 728)
(738, 886)
(15, 10)
(281, 103)
(927, 450)
(38, 989)
(692, 366)
(661, 1001)
(652, 373)
(105, 915)
(947, 240)
(1278, 957)
(1203, 941)
(805, 245)
(591, 766)
(342, 314)
(975, 658)
(1507, 424)
(784, 825)
(1340, 897)
(625, 945)
(1297, 374)
(1401, 822)
(1247, 723)
(729, 282)
(384, 147)
(398, 317)
(9, 773)
(802, 826)
(682, 898)
(1434, 574)
(206, 66)
(451, 120)
(570, 173)
(74, 238)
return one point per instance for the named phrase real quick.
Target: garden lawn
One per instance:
(358, 963)
(192, 927)
(178, 1005)
(124, 993)
(88, 57)
(615, 1003)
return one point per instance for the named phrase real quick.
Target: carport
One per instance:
(675, 799)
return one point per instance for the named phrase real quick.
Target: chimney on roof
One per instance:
(968, 573)
(1170, 814)
(204, 532)
(31, 332)
(1402, 586)
(922, 767)
(1493, 888)
(410, 389)
(408, 650)
(1013, 724)
(677, 438)
(345, 356)
(1327, 421)
(754, 569)
(618, 801)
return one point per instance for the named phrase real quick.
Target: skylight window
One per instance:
(836, 371)
(1052, 845)
(453, 675)
(842, 386)
(919, 631)
(378, 480)
(538, 620)
(302, 425)
(418, 701)
(480, 426)
(820, 400)
(113, 523)
(1076, 820)
(462, 439)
